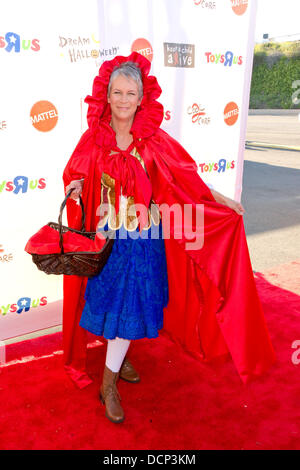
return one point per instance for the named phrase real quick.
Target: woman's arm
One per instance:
(237, 206)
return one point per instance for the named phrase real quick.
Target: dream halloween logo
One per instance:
(79, 48)
(12, 42)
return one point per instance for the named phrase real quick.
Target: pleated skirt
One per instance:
(127, 298)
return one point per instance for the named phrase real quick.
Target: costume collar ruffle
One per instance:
(149, 115)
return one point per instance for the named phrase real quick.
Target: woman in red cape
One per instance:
(214, 309)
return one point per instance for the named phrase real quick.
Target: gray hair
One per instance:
(129, 70)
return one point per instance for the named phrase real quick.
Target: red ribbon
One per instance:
(131, 176)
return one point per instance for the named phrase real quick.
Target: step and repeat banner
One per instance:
(201, 53)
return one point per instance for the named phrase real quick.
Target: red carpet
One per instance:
(179, 404)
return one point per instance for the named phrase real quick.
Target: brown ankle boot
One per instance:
(128, 372)
(110, 396)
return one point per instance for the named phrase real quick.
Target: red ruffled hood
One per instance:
(149, 115)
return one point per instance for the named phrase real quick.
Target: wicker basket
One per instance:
(79, 263)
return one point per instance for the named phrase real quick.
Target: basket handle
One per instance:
(60, 218)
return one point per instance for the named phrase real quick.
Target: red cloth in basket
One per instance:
(46, 241)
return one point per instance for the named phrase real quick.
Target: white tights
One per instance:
(116, 351)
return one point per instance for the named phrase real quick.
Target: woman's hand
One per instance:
(236, 206)
(77, 185)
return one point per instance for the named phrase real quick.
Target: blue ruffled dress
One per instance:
(127, 298)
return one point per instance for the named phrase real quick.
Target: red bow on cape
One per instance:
(131, 176)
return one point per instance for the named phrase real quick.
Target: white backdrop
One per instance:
(201, 53)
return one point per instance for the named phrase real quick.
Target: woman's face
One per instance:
(124, 98)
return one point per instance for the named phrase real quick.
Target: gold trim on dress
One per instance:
(127, 214)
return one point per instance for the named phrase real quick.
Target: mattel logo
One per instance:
(44, 116)
(239, 6)
(231, 113)
(11, 42)
(179, 55)
(23, 304)
(143, 47)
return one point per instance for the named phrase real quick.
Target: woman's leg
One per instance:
(117, 361)
(109, 395)
(116, 352)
